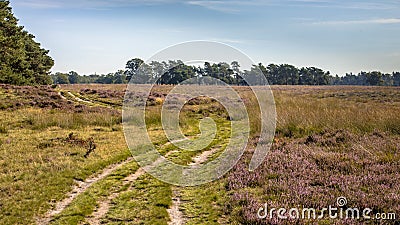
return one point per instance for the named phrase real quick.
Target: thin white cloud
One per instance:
(42, 4)
(224, 40)
(228, 6)
(357, 22)
(356, 5)
(222, 6)
(218, 5)
(99, 4)
(237, 5)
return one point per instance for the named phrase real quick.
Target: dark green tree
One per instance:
(225, 73)
(132, 69)
(273, 73)
(60, 78)
(387, 79)
(73, 77)
(105, 79)
(237, 74)
(396, 78)
(314, 76)
(374, 78)
(119, 77)
(289, 74)
(22, 60)
(158, 69)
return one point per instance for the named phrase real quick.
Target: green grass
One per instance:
(36, 171)
(149, 199)
(189, 123)
(85, 203)
(205, 204)
(145, 203)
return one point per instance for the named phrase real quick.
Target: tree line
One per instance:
(175, 71)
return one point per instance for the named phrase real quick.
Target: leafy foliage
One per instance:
(22, 60)
(175, 71)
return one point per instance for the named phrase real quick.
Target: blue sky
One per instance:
(100, 36)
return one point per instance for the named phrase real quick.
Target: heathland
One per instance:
(64, 159)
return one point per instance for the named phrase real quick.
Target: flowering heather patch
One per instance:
(19, 96)
(109, 97)
(313, 172)
(103, 93)
(43, 97)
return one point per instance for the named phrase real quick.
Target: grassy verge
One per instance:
(37, 165)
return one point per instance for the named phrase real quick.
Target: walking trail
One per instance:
(175, 214)
(79, 188)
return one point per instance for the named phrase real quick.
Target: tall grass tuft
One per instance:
(393, 125)
(3, 129)
(39, 120)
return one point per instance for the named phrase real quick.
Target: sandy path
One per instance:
(104, 206)
(79, 188)
(84, 101)
(79, 99)
(203, 157)
(175, 214)
(62, 96)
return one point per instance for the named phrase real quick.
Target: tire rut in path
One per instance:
(175, 214)
(79, 188)
(203, 157)
(84, 101)
(104, 206)
(79, 99)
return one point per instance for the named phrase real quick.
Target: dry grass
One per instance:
(35, 169)
(321, 126)
(330, 142)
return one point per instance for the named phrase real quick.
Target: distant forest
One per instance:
(175, 72)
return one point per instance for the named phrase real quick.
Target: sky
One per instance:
(100, 36)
